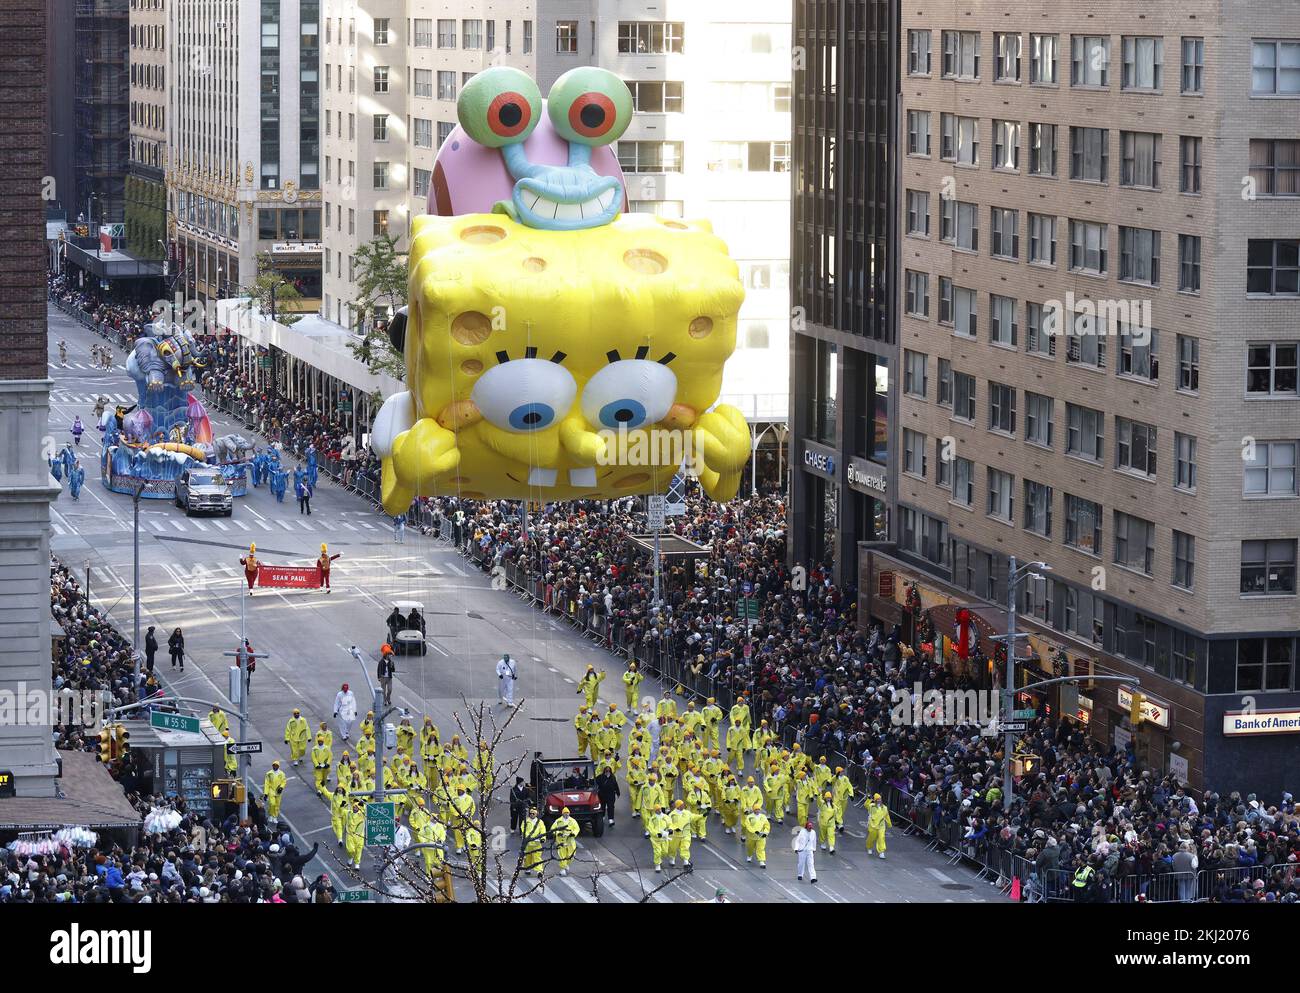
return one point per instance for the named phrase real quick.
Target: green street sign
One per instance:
(1024, 715)
(354, 896)
(174, 722)
(381, 825)
(749, 608)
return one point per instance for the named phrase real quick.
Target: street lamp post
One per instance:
(1014, 576)
(87, 587)
(135, 500)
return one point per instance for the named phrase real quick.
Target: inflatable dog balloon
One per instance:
(555, 347)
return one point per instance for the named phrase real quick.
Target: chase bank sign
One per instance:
(819, 460)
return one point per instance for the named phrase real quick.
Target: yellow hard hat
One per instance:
(680, 805)
(796, 746)
(876, 798)
(826, 795)
(757, 808)
(749, 779)
(839, 769)
(565, 811)
(822, 759)
(710, 699)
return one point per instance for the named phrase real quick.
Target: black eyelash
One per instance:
(643, 351)
(613, 356)
(559, 357)
(503, 357)
(530, 352)
(668, 357)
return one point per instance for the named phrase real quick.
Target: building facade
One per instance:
(146, 189)
(243, 157)
(101, 109)
(844, 367)
(1099, 219)
(392, 72)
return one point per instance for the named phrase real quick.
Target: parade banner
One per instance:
(288, 576)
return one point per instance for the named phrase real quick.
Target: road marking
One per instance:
(370, 527)
(455, 568)
(264, 526)
(305, 526)
(937, 874)
(582, 893)
(255, 514)
(283, 524)
(178, 526)
(622, 895)
(325, 525)
(347, 525)
(200, 525)
(550, 897)
(241, 525)
(221, 527)
(156, 525)
(57, 528)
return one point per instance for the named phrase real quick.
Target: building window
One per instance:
(423, 83)
(446, 85)
(381, 79)
(963, 406)
(380, 176)
(1006, 69)
(959, 139)
(1184, 462)
(423, 32)
(914, 374)
(1189, 364)
(1275, 68)
(1042, 239)
(965, 312)
(445, 129)
(961, 54)
(650, 37)
(566, 37)
(918, 132)
(422, 132)
(1042, 149)
(1270, 469)
(1006, 232)
(528, 37)
(1139, 256)
(381, 127)
(1001, 496)
(1189, 263)
(1275, 167)
(1038, 508)
(650, 156)
(380, 226)
(446, 33)
(1084, 432)
(381, 30)
(1084, 344)
(420, 180)
(918, 53)
(963, 482)
(1189, 164)
(1264, 664)
(918, 213)
(1193, 66)
(1139, 159)
(1089, 60)
(942, 465)
(1135, 542)
(1135, 447)
(1006, 145)
(1271, 369)
(1089, 154)
(1002, 408)
(918, 294)
(1138, 353)
(656, 97)
(959, 224)
(1043, 58)
(945, 384)
(914, 455)
(1183, 658)
(1268, 568)
(1083, 524)
(1184, 560)
(471, 34)
(1038, 419)
(945, 300)
(1142, 59)
(1273, 266)
(1002, 321)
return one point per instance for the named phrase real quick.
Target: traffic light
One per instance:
(442, 890)
(229, 790)
(105, 745)
(123, 738)
(1135, 708)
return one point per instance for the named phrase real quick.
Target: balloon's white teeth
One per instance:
(568, 211)
(538, 476)
(583, 478)
(606, 199)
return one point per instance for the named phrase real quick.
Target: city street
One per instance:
(190, 578)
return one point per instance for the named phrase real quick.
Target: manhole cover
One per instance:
(956, 886)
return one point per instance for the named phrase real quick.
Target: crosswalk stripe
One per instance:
(347, 525)
(283, 524)
(454, 568)
(364, 525)
(305, 526)
(620, 894)
(200, 525)
(57, 528)
(325, 525)
(547, 892)
(264, 526)
(178, 525)
(156, 525)
(220, 526)
(241, 525)
(581, 893)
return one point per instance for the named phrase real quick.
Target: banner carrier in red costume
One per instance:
(249, 562)
(323, 566)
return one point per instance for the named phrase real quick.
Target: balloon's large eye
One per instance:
(499, 106)
(590, 106)
(629, 393)
(524, 395)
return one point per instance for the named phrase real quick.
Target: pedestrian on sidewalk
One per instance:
(150, 648)
(176, 645)
(386, 670)
(63, 353)
(303, 491)
(507, 673)
(399, 528)
(805, 847)
(345, 707)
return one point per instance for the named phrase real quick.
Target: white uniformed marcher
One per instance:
(805, 846)
(507, 673)
(345, 710)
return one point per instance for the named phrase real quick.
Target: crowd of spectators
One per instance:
(121, 319)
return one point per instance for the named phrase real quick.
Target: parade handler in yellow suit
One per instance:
(877, 821)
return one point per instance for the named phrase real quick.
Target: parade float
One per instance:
(148, 444)
(556, 347)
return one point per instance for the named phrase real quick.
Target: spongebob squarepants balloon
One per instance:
(557, 348)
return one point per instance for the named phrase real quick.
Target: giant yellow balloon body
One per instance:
(548, 364)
